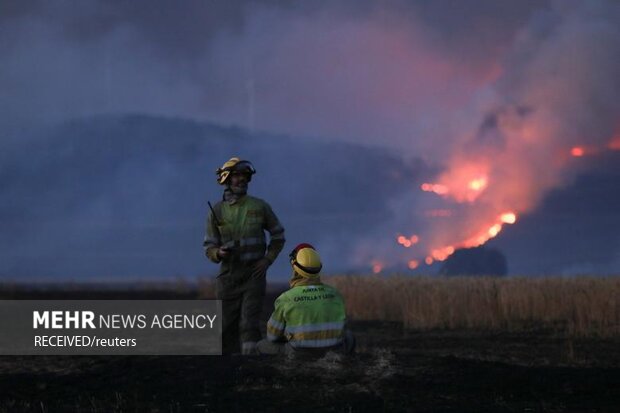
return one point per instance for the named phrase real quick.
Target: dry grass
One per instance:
(580, 306)
(206, 288)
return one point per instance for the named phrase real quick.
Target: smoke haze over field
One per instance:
(484, 102)
(359, 71)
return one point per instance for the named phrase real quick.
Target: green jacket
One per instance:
(241, 226)
(309, 316)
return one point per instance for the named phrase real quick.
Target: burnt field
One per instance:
(395, 369)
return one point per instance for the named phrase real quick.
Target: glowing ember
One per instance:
(478, 184)
(428, 260)
(438, 255)
(404, 241)
(465, 181)
(436, 188)
(441, 254)
(577, 151)
(508, 218)
(414, 239)
(376, 268)
(413, 264)
(495, 229)
(475, 241)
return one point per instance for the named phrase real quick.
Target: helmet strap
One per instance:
(299, 280)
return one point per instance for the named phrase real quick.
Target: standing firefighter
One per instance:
(236, 239)
(310, 317)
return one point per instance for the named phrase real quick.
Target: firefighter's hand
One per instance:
(223, 252)
(259, 269)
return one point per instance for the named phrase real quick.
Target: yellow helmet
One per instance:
(234, 165)
(306, 261)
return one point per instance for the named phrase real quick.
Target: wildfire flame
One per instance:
(577, 151)
(407, 242)
(377, 267)
(467, 182)
(508, 218)
(464, 183)
(436, 188)
(478, 184)
(494, 230)
(442, 253)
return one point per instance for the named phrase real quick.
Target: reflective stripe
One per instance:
(275, 331)
(229, 244)
(315, 335)
(335, 325)
(329, 342)
(249, 256)
(275, 324)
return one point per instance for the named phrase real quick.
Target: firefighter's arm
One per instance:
(212, 241)
(277, 323)
(276, 234)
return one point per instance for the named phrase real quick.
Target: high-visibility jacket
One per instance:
(241, 226)
(309, 316)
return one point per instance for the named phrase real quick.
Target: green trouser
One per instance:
(242, 300)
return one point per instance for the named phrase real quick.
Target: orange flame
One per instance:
(376, 267)
(407, 242)
(436, 188)
(508, 218)
(478, 184)
(464, 182)
(577, 151)
(494, 230)
(441, 254)
(496, 184)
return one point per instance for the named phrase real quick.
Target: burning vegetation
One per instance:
(482, 194)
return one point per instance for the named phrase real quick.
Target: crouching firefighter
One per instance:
(236, 238)
(310, 317)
